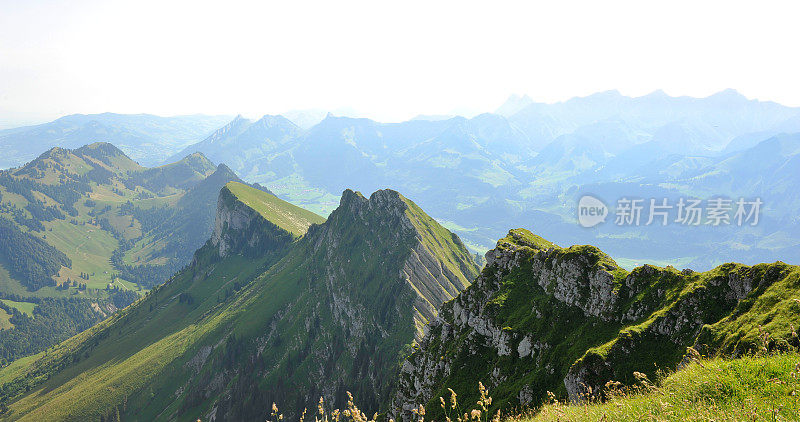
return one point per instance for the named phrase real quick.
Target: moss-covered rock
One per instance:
(544, 318)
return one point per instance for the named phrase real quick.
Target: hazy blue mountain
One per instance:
(146, 138)
(513, 104)
(433, 117)
(484, 174)
(307, 118)
(729, 113)
(242, 142)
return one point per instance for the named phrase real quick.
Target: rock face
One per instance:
(239, 228)
(542, 318)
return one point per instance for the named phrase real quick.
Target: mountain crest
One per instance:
(250, 221)
(385, 201)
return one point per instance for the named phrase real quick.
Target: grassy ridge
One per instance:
(119, 358)
(289, 217)
(127, 357)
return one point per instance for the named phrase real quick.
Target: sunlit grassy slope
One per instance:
(289, 217)
(128, 357)
(745, 389)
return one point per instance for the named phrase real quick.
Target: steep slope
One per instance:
(260, 316)
(249, 220)
(91, 225)
(568, 320)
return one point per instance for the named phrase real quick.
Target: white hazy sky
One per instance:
(389, 60)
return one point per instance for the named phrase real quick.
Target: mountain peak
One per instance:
(103, 148)
(222, 168)
(386, 202)
(350, 196)
(197, 160)
(659, 93)
(729, 94)
(275, 119)
(52, 153)
(513, 104)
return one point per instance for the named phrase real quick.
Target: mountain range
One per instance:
(529, 167)
(280, 305)
(382, 305)
(527, 164)
(146, 138)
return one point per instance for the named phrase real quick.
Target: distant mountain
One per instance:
(513, 104)
(306, 119)
(728, 113)
(242, 141)
(280, 306)
(483, 174)
(433, 117)
(91, 225)
(146, 138)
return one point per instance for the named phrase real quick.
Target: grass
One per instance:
(125, 362)
(746, 389)
(289, 217)
(24, 307)
(88, 247)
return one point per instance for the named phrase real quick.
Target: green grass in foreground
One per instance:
(744, 389)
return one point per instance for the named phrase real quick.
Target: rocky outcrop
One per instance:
(239, 228)
(542, 318)
(433, 270)
(467, 324)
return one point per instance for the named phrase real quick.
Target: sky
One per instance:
(387, 60)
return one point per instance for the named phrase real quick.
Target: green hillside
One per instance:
(260, 316)
(542, 319)
(81, 229)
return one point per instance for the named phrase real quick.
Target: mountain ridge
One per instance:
(285, 321)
